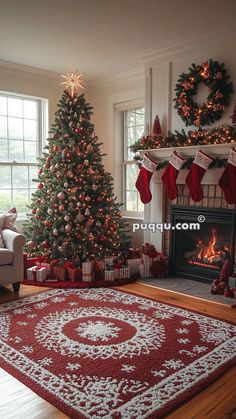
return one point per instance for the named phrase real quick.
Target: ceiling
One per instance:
(103, 37)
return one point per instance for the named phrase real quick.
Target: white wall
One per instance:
(163, 72)
(29, 81)
(103, 98)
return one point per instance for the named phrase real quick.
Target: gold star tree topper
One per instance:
(73, 81)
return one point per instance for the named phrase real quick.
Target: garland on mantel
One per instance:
(216, 164)
(224, 134)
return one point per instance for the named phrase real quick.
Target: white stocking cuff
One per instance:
(149, 164)
(202, 160)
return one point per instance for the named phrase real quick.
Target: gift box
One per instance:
(88, 277)
(29, 262)
(133, 265)
(109, 275)
(74, 274)
(53, 263)
(41, 273)
(99, 266)
(59, 272)
(46, 265)
(31, 274)
(117, 273)
(125, 272)
(88, 272)
(159, 268)
(142, 271)
(232, 282)
(134, 253)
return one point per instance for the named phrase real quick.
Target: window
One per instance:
(133, 130)
(22, 119)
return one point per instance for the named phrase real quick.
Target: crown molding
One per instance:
(118, 78)
(15, 67)
(184, 45)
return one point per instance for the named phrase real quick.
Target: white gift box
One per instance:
(88, 271)
(41, 273)
(88, 277)
(109, 275)
(125, 272)
(88, 267)
(117, 273)
(133, 265)
(31, 274)
(144, 270)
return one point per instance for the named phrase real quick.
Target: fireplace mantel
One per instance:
(214, 150)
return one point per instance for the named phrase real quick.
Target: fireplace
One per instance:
(200, 253)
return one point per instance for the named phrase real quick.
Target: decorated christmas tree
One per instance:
(74, 215)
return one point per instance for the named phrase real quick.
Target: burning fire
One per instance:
(209, 254)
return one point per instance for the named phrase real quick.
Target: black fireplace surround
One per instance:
(200, 254)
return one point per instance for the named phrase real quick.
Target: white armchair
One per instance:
(11, 259)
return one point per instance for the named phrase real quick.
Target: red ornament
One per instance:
(78, 130)
(31, 244)
(55, 148)
(45, 244)
(102, 238)
(40, 185)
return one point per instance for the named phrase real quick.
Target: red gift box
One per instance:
(134, 253)
(59, 271)
(74, 274)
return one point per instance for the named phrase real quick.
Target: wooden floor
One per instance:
(216, 401)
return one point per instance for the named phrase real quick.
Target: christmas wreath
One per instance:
(215, 77)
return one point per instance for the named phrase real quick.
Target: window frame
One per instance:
(41, 135)
(119, 153)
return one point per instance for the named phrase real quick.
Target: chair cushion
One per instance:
(6, 257)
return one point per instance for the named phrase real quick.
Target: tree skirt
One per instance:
(82, 284)
(102, 353)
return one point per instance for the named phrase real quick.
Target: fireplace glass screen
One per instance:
(200, 254)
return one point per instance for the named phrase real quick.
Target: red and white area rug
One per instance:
(98, 353)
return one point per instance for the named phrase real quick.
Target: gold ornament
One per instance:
(72, 81)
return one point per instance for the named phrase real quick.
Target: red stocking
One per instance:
(227, 180)
(145, 174)
(196, 173)
(170, 175)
